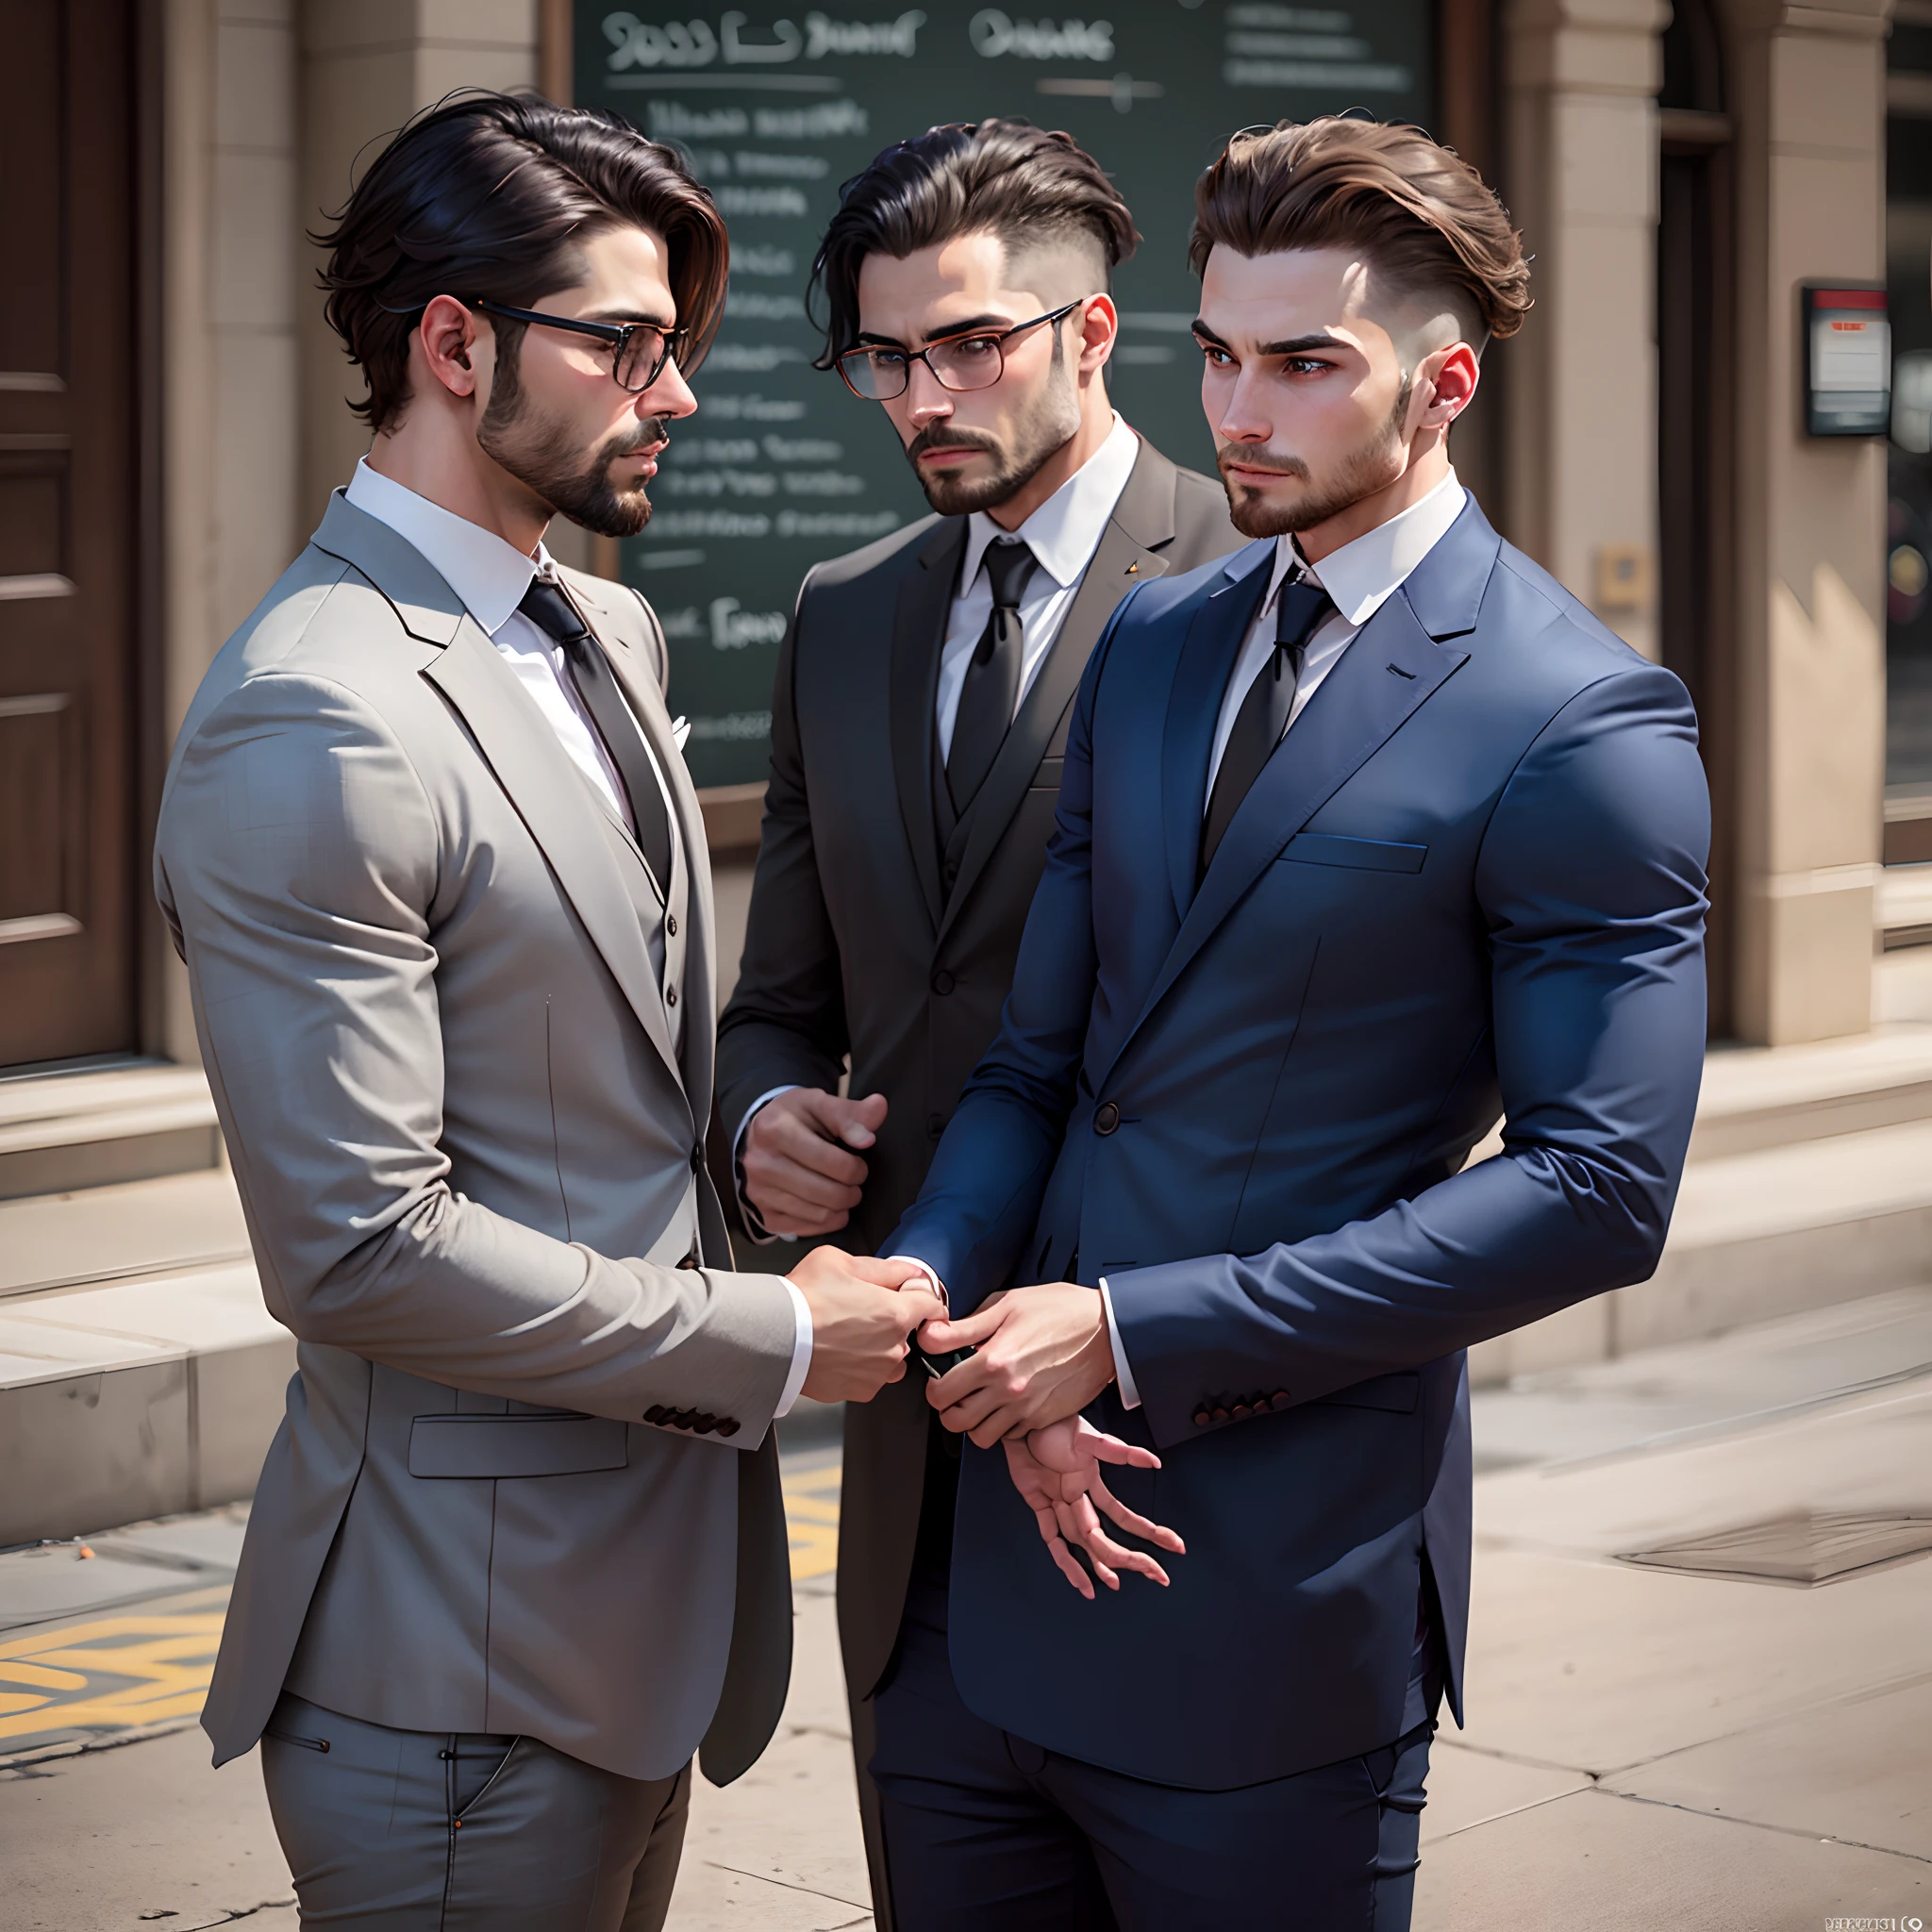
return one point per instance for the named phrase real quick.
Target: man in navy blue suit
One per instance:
(1366, 836)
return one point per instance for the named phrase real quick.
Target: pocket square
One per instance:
(680, 730)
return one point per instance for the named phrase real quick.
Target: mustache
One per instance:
(647, 435)
(939, 436)
(1260, 459)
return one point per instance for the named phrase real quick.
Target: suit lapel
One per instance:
(554, 802)
(1200, 680)
(1390, 669)
(1142, 519)
(919, 629)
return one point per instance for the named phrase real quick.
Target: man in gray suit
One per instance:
(431, 853)
(921, 713)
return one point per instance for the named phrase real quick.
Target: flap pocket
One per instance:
(1048, 776)
(1366, 855)
(480, 1447)
(1396, 1394)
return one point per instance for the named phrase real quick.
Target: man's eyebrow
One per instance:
(1295, 346)
(1300, 345)
(970, 325)
(617, 317)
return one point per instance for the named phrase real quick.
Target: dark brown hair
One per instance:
(1419, 213)
(492, 196)
(1004, 177)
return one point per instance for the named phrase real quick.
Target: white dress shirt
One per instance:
(1063, 534)
(1360, 578)
(490, 576)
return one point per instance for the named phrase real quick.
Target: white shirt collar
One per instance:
(488, 574)
(1065, 531)
(1363, 574)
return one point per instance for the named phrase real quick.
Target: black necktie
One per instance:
(993, 677)
(1301, 609)
(556, 616)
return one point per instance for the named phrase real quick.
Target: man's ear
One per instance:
(1100, 323)
(1445, 385)
(447, 339)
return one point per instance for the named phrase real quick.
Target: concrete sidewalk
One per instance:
(1650, 1745)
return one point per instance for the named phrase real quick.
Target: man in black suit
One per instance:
(918, 727)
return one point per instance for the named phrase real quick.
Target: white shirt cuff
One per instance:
(939, 1286)
(801, 1351)
(753, 1226)
(1123, 1369)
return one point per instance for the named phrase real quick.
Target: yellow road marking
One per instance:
(811, 1516)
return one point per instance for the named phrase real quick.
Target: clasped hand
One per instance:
(1043, 1355)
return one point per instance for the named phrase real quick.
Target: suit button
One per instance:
(1241, 1410)
(1107, 1117)
(704, 1424)
(697, 1158)
(671, 924)
(1221, 1415)
(684, 1418)
(728, 1426)
(943, 982)
(669, 996)
(656, 1413)
(934, 1125)
(1202, 1418)
(1279, 1399)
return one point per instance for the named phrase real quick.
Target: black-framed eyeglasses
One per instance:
(880, 372)
(640, 349)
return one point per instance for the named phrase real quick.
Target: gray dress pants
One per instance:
(429, 1831)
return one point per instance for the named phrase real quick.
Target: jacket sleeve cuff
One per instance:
(1122, 1368)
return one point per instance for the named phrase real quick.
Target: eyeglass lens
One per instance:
(641, 358)
(881, 374)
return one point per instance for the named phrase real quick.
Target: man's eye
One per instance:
(887, 358)
(977, 345)
(1217, 359)
(1305, 365)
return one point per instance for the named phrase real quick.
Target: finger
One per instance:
(770, 1170)
(1132, 1522)
(1100, 1550)
(1111, 1449)
(1062, 1555)
(854, 1121)
(959, 1384)
(1089, 1542)
(965, 1415)
(883, 1271)
(969, 1331)
(793, 1140)
(789, 1217)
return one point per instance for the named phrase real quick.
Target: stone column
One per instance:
(1807, 94)
(1580, 80)
(367, 66)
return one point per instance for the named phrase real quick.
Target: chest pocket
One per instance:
(1048, 776)
(1358, 855)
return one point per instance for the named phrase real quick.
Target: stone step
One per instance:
(143, 1396)
(98, 1127)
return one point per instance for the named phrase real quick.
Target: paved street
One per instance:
(1650, 1744)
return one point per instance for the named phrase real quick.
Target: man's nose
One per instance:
(1242, 417)
(929, 399)
(670, 395)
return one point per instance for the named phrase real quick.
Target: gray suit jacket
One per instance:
(469, 1150)
(857, 944)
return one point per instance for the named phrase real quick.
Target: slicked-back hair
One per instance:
(1418, 213)
(493, 195)
(1004, 177)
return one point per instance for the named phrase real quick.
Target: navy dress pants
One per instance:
(985, 1832)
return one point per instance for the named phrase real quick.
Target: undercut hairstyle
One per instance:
(493, 196)
(1007, 178)
(1418, 213)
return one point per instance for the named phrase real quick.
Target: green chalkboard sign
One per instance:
(781, 466)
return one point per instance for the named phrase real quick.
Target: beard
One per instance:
(542, 455)
(1360, 472)
(1036, 438)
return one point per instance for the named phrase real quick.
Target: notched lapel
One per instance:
(427, 606)
(1194, 702)
(1387, 674)
(919, 629)
(552, 799)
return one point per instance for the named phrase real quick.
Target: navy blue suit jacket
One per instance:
(1470, 883)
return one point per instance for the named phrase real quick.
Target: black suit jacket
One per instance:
(855, 944)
